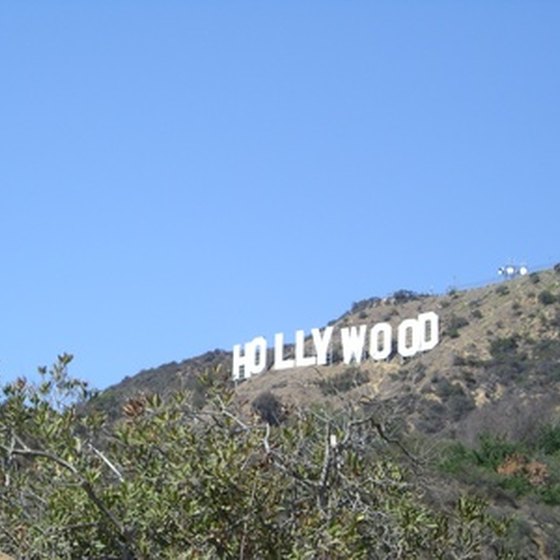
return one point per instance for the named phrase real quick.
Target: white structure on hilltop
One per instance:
(512, 271)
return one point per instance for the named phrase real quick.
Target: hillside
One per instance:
(482, 407)
(452, 452)
(497, 363)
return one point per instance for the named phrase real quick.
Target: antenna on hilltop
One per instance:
(510, 271)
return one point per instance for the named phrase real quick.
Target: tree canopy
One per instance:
(172, 480)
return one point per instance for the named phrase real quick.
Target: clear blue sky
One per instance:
(181, 176)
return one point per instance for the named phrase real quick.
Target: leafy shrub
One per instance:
(500, 347)
(269, 407)
(444, 388)
(534, 277)
(548, 440)
(466, 360)
(555, 321)
(546, 297)
(455, 457)
(342, 382)
(459, 360)
(460, 404)
(493, 450)
(364, 304)
(174, 482)
(456, 323)
(519, 485)
(457, 401)
(433, 416)
(550, 494)
(502, 290)
(459, 322)
(402, 296)
(418, 372)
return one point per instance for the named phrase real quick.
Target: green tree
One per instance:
(171, 480)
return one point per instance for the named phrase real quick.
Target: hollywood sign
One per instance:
(413, 336)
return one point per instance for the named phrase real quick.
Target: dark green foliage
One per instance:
(364, 304)
(460, 404)
(523, 360)
(456, 403)
(546, 360)
(502, 290)
(481, 465)
(509, 362)
(418, 372)
(501, 348)
(548, 440)
(455, 323)
(402, 296)
(444, 388)
(174, 376)
(171, 482)
(470, 379)
(455, 457)
(270, 409)
(469, 361)
(477, 314)
(518, 485)
(198, 385)
(336, 354)
(534, 277)
(546, 297)
(433, 416)
(555, 320)
(493, 450)
(550, 494)
(344, 381)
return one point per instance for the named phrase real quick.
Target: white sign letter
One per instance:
(405, 348)
(428, 324)
(259, 355)
(253, 361)
(384, 332)
(239, 362)
(322, 344)
(301, 359)
(353, 343)
(279, 361)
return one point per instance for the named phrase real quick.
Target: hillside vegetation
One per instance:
(453, 453)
